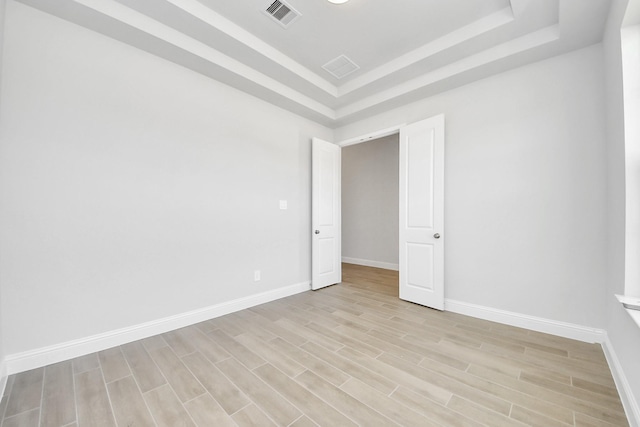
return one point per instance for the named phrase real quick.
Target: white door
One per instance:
(326, 247)
(422, 212)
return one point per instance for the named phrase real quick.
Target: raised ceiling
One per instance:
(405, 49)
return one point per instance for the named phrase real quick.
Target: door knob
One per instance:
(436, 236)
(317, 231)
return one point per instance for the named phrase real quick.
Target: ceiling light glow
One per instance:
(337, 1)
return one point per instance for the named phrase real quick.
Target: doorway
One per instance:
(420, 204)
(370, 193)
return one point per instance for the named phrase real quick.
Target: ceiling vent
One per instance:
(282, 13)
(340, 67)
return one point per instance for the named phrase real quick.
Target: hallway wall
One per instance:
(370, 202)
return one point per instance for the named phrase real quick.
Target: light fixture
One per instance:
(337, 1)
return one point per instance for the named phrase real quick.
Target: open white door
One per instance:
(422, 212)
(326, 247)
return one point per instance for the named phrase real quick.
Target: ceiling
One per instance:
(405, 49)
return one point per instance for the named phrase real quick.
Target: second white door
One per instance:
(422, 212)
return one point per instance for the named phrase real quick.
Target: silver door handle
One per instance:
(436, 236)
(317, 231)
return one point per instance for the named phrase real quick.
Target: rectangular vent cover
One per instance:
(282, 13)
(340, 67)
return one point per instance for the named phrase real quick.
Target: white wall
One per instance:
(623, 333)
(525, 187)
(370, 201)
(133, 189)
(3, 378)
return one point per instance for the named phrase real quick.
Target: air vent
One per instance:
(282, 13)
(340, 67)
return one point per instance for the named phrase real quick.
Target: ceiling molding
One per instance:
(512, 47)
(193, 35)
(441, 44)
(150, 26)
(203, 13)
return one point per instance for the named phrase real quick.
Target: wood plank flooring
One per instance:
(348, 355)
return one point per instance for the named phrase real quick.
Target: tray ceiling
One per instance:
(405, 49)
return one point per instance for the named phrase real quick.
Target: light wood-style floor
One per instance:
(351, 354)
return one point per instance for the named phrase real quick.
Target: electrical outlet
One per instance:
(283, 204)
(256, 276)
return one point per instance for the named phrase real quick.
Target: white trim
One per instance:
(170, 35)
(630, 404)
(205, 14)
(634, 313)
(3, 377)
(32, 359)
(370, 263)
(475, 29)
(562, 329)
(371, 136)
(492, 55)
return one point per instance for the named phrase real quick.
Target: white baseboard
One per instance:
(32, 359)
(629, 402)
(370, 263)
(562, 329)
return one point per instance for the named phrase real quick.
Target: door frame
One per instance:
(376, 135)
(372, 135)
